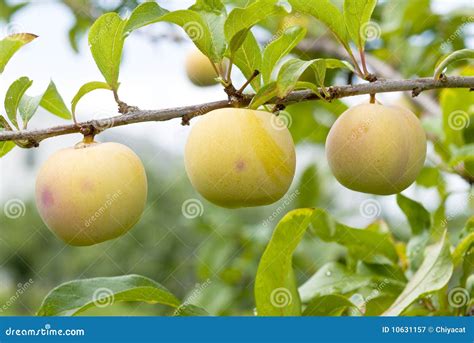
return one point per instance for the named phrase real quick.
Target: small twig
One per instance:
(356, 65)
(277, 108)
(415, 92)
(218, 75)
(428, 304)
(251, 78)
(364, 64)
(5, 124)
(88, 130)
(123, 107)
(229, 71)
(461, 170)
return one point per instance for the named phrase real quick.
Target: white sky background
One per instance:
(152, 77)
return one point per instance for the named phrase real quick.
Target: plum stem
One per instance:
(88, 139)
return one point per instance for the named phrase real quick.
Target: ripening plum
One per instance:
(92, 192)
(199, 69)
(376, 149)
(240, 157)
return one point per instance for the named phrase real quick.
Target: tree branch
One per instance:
(188, 112)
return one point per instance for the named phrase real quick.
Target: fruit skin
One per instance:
(92, 192)
(199, 69)
(240, 157)
(376, 149)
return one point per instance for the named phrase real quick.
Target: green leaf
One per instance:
(215, 6)
(308, 127)
(467, 278)
(196, 27)
(332, 278)
(309, 187)
(106, 40)
(107, 37)
(13, 97)
(50, 100)
(275, 286)
(87, 88)
(455, 56)
(367, 245)
(275, 291)
(28, 107)
(418, 217)
(240, 20)
(333, 63)
(420, 223)
(462, 248)
(278, 48)
(54, 103)
(5, 147)
(264, 94)
(357, 14)
(328, 305)
(378, 304)
(307, 85)
(72, 298)
(433, 274)
(191, 311)
(319, 68)
(77, 32)
(11, 44)
(144, 14)
(292, 70)
(214, 14)
(328, 13)
(7, 10)
(458, 116)
(248, 58)
(429, 177)
(390, 276)
(461, 154)
(415, 249)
